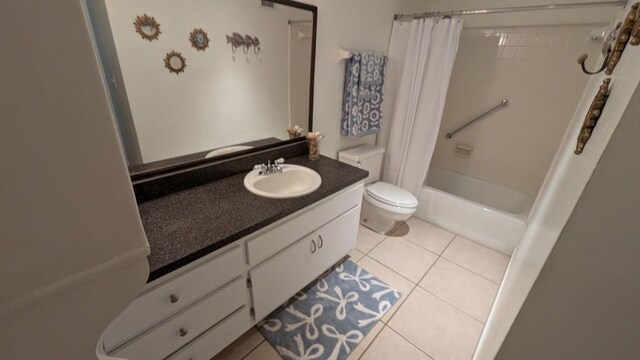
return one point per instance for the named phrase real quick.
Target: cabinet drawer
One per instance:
(205, 346)
(270, 243)
(167, 299)
(276, 280)
(179, 330)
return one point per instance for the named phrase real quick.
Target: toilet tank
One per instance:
(366, 157)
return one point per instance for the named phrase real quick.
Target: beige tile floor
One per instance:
(448, 284)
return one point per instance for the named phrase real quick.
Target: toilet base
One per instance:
(373, 219)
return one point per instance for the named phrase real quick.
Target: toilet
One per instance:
(384, 205)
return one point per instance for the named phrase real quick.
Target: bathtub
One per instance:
(476, 209)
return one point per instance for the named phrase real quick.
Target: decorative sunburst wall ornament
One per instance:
(147, 27)
(199, 39)
(175, 62)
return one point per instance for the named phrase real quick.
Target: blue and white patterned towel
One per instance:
(363, 94)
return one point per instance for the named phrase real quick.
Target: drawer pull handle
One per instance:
(183, 332)
(174, 298)
(320, 242)
(313, 246)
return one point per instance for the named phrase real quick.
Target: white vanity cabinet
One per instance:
(274, 281)
(196, 311)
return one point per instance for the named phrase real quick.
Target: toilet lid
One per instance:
(392, 195)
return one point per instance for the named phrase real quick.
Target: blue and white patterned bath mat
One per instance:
(330, 318)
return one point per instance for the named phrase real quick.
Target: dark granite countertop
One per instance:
(187, 225)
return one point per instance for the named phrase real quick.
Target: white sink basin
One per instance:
(294, 181)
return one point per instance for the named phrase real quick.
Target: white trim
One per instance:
(74, 280)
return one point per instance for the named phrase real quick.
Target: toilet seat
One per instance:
(391, 197)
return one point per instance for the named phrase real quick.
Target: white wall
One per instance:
(363, 25)
(584, 304)
(220, 99)
(514, 146)
(559, 194)
(72, 250)
(353, 24)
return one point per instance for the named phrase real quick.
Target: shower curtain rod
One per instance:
(408, 17)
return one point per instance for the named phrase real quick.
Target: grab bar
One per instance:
(503, 103)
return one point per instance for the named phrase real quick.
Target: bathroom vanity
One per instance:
(223, 258)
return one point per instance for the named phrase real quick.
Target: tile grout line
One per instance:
(410, 342)
(422, 278)
(388, 323)
(452, 305)
(438, 258)
(372, 340)
(393, 271)
(254, 349)
(443, 299)
(415, 284)
(464, 267)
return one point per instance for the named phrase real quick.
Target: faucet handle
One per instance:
(279, 161)
(258, 167)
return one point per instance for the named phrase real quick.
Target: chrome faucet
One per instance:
(270, 168)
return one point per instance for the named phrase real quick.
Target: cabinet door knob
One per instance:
(183, 332)
(313, 246)
(174, 298)
(320, 242)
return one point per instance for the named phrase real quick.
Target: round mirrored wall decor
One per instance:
(175, 62)
(147, 27)
(199, 39)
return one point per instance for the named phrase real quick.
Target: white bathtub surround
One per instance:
(560, 192)
(513, 147)
(486, 213)
(428, 56)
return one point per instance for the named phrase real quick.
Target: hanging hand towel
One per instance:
(363, 94)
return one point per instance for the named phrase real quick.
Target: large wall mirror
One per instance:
(194, 80)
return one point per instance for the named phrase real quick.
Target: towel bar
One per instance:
(503, 103)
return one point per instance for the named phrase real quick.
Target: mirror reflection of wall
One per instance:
(220, 98)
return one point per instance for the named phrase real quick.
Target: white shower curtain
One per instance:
(426, 50)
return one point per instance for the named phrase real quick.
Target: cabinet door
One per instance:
(276, 280)
(335, 240)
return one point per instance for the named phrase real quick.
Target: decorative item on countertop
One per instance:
(147, 27)
(314, 139)
(199, 39)
(175, 62)
(363, 94)
(593, 115)
(616, 41)
(295, 132)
